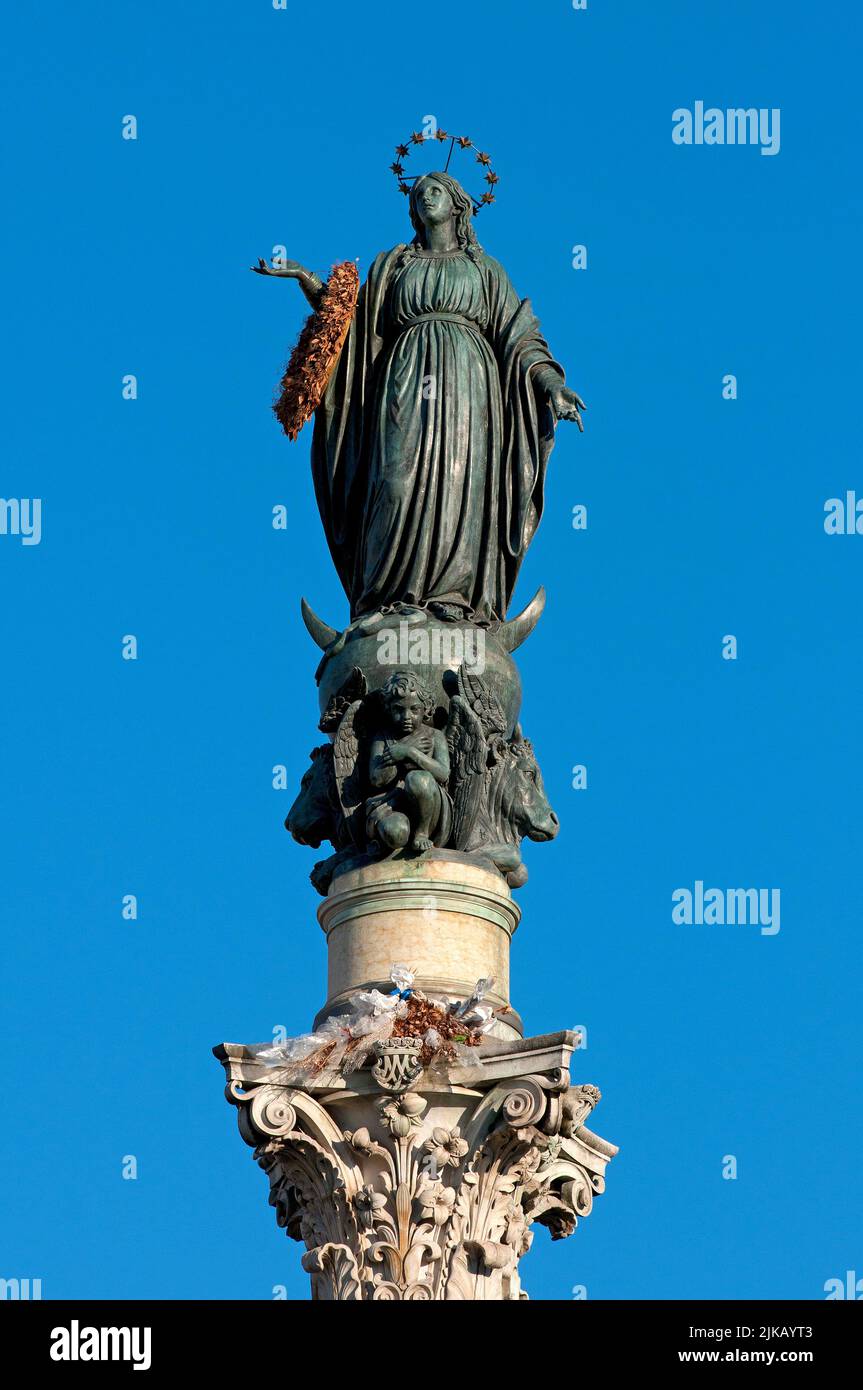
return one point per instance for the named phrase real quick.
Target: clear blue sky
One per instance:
(705, 518)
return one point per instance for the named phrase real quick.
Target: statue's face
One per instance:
(406, 713)
(434, 204)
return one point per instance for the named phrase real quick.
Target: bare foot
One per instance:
(422, 842)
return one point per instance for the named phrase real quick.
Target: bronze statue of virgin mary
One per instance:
(432, 436)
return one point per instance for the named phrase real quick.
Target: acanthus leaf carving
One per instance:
(405, 1207)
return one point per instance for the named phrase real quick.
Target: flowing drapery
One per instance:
(431, 442)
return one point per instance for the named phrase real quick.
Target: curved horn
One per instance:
(319, 631)
(515, 630)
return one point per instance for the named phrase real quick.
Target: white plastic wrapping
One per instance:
(402, 977)
(345, 1041)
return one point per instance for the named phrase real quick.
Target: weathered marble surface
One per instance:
(451, 920)
(425, 1191)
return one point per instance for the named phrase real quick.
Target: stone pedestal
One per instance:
(449, 920)
(412, 1184)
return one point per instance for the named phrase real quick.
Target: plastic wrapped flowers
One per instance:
(344, 1042)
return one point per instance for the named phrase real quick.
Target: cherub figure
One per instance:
(409, 763)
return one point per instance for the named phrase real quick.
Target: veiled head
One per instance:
(437, 198)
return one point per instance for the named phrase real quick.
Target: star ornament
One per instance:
(456, 142)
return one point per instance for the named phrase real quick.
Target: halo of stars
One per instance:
(460, 141)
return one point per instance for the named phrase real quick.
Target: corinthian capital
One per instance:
(428, 1192)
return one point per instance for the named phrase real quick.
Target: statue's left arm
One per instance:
(510, 315)
(566, 403)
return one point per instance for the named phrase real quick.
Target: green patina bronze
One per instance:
(429, 456)
(431, 444)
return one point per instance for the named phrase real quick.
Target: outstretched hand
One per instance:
(288, 270)
(567, 405)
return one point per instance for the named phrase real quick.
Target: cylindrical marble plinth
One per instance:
(449, 920)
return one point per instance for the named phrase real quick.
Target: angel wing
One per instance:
(353, 688)
(349, 773)
(467, 751)
(484, 704)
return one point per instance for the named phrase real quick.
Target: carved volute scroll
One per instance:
(403, 1207)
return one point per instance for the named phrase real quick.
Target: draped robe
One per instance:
(431, 442)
